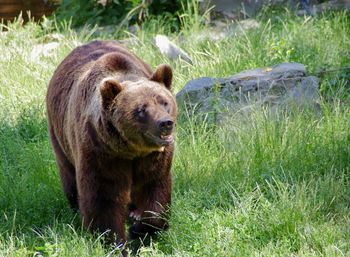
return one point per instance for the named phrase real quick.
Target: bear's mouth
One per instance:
(162, 139)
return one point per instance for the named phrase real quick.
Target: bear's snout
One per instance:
(165, 125)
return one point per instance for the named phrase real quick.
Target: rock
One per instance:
(220, 30)
(334, 5)
(134, 29)
(100, 31)
(242, 9)
(56, 37)
(170, 50)
(229, 8)
(280, 87)
(248, 24)
(239, 9)
(210, 34)
(43, 50)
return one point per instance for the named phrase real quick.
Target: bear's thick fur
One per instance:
(111, 122)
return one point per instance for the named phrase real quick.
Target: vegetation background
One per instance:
(274, 188)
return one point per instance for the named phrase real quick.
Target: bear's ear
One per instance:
(163, 74)
(109, 89)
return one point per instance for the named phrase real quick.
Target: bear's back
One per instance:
(95, 52)
(82, 69)
(92, 54)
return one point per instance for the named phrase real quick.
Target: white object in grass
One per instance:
(170, 50)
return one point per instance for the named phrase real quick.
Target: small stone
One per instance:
(43, 50)
(170, 50)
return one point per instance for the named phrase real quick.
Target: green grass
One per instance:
(273, 188)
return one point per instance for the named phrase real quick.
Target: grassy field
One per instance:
(275, 188)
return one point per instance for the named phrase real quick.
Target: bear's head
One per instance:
(144, 111)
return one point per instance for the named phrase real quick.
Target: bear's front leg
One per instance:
(103, 198)
(152, 208)
(151, 195)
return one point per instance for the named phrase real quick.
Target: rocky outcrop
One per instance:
(284, 86)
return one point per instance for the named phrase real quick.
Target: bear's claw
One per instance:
(135, 215)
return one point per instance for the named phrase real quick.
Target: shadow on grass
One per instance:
(31, 196)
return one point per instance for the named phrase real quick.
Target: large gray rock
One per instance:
(237, 9)
(281, 87)
(335, 5)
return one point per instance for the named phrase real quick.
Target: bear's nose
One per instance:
(165, 125)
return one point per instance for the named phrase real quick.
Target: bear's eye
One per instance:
(166, 106)
(141, 110)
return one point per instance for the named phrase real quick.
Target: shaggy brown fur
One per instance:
(111, 121)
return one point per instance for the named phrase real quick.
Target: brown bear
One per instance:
(111, 122)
